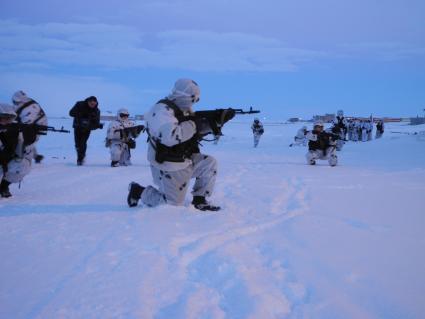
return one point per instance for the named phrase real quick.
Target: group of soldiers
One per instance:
(174, 133)
(361, 130)
(324, 143)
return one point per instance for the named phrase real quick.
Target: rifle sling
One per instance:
(24, 106)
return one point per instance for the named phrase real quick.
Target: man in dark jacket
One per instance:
(86, 116)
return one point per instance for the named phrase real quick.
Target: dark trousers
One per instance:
(81, 136)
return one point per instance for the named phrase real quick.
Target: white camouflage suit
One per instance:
(28, 112)
(173, 178)
(257, 130)
(328, 154)
(19, 166)
(118, 147)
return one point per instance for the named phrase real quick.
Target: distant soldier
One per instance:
(257, 130)
(300, 138)
(339, 132)
(29, 111)
(369, 129)
(364, 127)
(321, 145)
(356, 131)
(342, 123)
(379, 129)
(119, 142)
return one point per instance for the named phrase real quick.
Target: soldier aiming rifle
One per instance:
(17, 143)
(120, 138)
(174, 132)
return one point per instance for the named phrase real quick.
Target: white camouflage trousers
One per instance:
(329, 155)
(299, 141)
(19, 167)
(120, 153)
(172, 186)
(256, 139)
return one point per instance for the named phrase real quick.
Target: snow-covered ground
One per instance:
(292, 240)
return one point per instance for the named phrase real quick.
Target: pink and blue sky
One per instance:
(288, 58)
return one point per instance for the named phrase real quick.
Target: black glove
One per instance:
(131, 143)
(30, 134)
(100, 125)
(226, 115)
(203, 126)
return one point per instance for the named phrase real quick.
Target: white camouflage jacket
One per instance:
(113, 133)
(162, 125)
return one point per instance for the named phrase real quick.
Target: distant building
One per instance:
(417, 120)
(327, 118)
(294, 119)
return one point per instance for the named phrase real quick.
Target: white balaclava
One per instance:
(185, 93)
(7, 110)
(122, 111)
(19, 97)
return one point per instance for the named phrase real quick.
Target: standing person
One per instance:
(16, 150)
(379, 129)
(257, 130)
(29, 111)
(355, 134)
(339, 132)
(86, 116)
(350, 130)
(119, 143)
(341, 122)
(321, 145)
(174, 154)
(364, 131)
(369, 129)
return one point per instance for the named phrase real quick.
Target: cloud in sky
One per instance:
(58, 93)
(303, 23)
(119, 46)
(112, 46)
(308, 53)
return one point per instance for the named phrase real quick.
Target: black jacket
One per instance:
(323, 141)
(84, 116)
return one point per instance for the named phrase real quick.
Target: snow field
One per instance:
(292, 240)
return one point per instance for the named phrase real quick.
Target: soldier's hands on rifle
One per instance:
(29, 133)
(203, 126)
(226, 115)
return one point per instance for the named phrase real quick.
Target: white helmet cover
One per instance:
(19, 97)
(7, 110)
(186, 88)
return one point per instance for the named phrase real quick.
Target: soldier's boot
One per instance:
(134, 193)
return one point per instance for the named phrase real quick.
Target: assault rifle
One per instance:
(30, 131)
(407, 133)
(132, 131)
(218, 117)
(38, 129)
